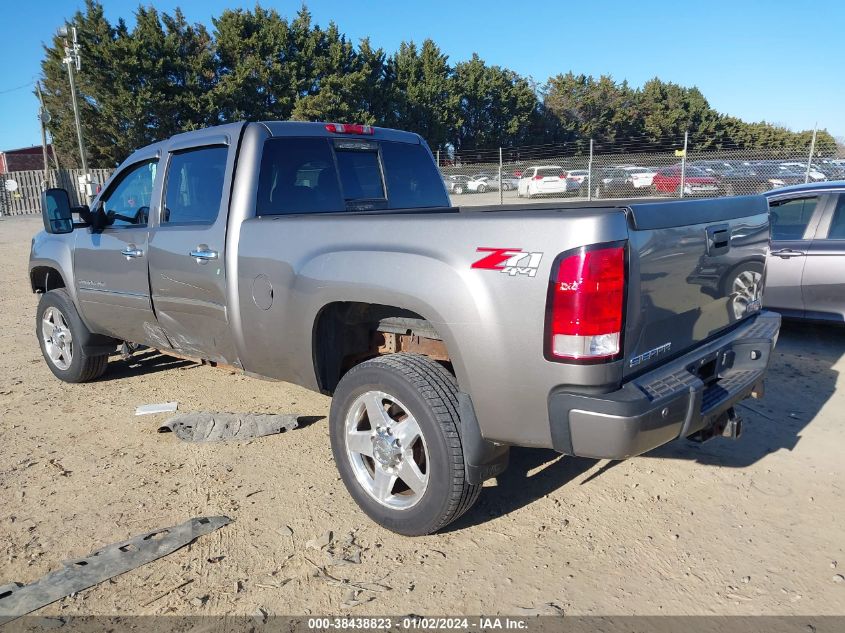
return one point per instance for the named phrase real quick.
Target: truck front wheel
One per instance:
(60, 332)
(395, 437)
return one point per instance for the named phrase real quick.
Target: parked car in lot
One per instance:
(696, 182)
(832, 170)
(755, 179)
(457, 184)
(545, 180)
(805, 269)
(613, 182)
(641, 177)
(578, 175)
(330, 256)
(490, 182)
(816, 174)
(716, 168)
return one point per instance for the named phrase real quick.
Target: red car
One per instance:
(697, 182)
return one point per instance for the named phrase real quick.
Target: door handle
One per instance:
(202, 254)
(132, 251)
(786, 253)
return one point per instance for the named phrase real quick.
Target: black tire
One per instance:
(429, 393)
(83, 367)
(482, 188)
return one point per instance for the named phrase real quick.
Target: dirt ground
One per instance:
(747, 527)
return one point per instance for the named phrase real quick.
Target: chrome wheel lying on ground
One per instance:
(395, 438)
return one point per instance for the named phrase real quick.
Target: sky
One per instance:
(781, 61)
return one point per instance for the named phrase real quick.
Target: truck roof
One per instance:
(230, 133)
(304, 128)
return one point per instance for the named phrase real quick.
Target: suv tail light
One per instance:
(538, 177)
(586, 303)
(349, 128)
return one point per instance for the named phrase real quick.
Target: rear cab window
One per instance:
(327, 175)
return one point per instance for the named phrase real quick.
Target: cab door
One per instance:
(187, 249)
(110, 266)
(793, 221)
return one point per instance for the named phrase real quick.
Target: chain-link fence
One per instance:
(628, 169)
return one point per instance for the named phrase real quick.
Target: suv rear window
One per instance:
(325, 175)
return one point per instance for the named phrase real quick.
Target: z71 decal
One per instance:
(513, 261)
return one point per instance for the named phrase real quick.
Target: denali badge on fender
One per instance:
(513, 261)
(652, 353)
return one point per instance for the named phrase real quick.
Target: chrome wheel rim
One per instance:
(386, 449)
(58, 341)
(745, 290)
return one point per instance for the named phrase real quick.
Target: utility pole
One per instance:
(684, 164)
(812, 151)
(72, 59)
(44, 118)
(501, 185)
(590, 173)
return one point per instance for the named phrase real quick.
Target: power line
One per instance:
(21, 87)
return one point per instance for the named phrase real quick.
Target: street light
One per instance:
(73, 59)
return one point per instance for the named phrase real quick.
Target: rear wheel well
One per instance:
(45, 278)
(347, 333)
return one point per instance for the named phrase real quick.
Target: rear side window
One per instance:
(323, 175)
(837, 225)
(791, 217)
(195, 186)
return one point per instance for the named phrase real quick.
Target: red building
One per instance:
(23, 159)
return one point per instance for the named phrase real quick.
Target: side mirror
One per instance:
(56, 211)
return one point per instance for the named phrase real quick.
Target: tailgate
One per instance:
(696, 268)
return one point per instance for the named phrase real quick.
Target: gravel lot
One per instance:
(747, 527)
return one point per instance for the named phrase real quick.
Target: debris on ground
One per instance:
(353, 598)
(319, 542)
(549, 608)
(219, 427)
(17, 600)
(159, 407)
(838, 578)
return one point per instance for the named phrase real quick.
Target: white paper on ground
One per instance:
(161, 407)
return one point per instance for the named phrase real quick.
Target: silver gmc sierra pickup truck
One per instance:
(330, 256)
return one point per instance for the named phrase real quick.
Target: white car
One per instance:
(578, 175)
(815, 174)
(545, 180)
(641, 177)
(457, 184)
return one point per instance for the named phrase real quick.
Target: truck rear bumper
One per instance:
(689, 394)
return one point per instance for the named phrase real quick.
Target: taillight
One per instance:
(538, 178)
(586, 303)
(562, 174)
(349, 128)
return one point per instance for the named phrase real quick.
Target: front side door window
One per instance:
(127, 203)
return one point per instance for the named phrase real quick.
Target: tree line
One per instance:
(166, 75)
